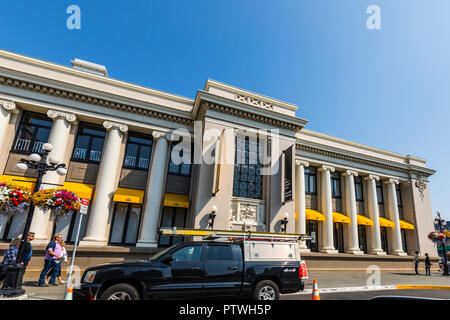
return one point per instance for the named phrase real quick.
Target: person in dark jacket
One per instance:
(9, 257)
(427, 265)
(27, 250)
(416, 262)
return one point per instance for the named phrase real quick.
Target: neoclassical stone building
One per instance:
(116, 139)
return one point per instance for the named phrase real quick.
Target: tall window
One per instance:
(310, 180)
(139, 149)
(34, 130)
(399, 195)
(336, 184)
(125, 226)
(359, 188)
(247, 181)
(182, 169)
(89, 145)
(379, 185)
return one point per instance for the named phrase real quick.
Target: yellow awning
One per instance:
(342, 218)
(23, 182)
(362, 220)
(406, 225)
(386, 223)
(314, 215)
(83, 191)
(176, 200)
(129, 195)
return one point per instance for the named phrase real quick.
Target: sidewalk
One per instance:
(325, 279)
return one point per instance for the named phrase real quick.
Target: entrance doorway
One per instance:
(312, 230)
(362, 237)
(384, 239)
(338, 237)
(172, 217)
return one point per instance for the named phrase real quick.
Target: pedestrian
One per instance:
(27, 250)
(9, 257)
(53, 253)
(59, 263)
(416, 262)
(427, 265)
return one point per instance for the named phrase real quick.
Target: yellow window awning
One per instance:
(23, 182)
(406, 225)
(342, 218)
(386, 223)
(129, 195)
(83, 191)
(176, 200)
(363, 220)
(314, 215)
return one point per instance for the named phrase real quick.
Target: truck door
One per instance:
(223, 270)
(186, 273)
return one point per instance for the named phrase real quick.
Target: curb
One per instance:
(348, 289)
(423, 287)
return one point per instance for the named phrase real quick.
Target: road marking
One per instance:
(423, 287)
(349, 289)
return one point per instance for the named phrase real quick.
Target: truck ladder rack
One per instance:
(209, 234)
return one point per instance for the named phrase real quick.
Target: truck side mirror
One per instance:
(167, 260)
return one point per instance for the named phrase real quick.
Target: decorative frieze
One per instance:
(254, 102)
(422, 186)
(247, 211)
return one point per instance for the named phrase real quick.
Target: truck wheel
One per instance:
(121, 291)
(266, 290)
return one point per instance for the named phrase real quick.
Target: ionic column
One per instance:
(59, 138)
(327, 210)
(375, 234)
(396, 236)
(6, 109)
(105, 185)
(300, 201)
(350, 205)
(154, 192)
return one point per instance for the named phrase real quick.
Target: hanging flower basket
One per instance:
(62, 202)
(13, 200)
(436, 236)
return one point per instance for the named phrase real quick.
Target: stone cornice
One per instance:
(408, 169)
(277, 123)
(54, 114)
(67, 94)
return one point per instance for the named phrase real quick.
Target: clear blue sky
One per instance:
(386, 88)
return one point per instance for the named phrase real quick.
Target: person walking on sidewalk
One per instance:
(28, 250)
(53, 253)
(416, 262)
(59, 264)
(427, 265)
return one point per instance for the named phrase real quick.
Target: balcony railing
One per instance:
(80, 154)
(23, 145)
(130, 161)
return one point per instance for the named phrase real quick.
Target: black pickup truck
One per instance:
(200, 270)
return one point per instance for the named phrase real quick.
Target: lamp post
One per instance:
(42, 163)
(284, 222)
(212, 216)
(441, 222)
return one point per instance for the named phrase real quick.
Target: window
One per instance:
(247, 181)
(34, 130)
(125, 226)
(172, 217)
(399, 195)
(139, 149)
(187, 254)
(89, 145)
(359, 189)
(336, 184)
(219, 252)
(182, 169)
(310, 180)
(379, 185)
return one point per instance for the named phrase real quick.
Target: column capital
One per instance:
(55, 114)
(299, 162)
(350, 173)
(115, 125)
(372, 177)
(327, 168)
(392, 181)
(159, 134)
(9, 106)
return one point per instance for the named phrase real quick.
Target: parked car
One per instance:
(260, 270)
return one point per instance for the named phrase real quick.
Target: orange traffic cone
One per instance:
(68, 295)
(315, 292)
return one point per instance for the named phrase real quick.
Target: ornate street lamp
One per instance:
(284, 222)
(12, 285)
(441, 222)
(212, 216)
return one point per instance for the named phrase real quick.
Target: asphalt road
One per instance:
(367, 295)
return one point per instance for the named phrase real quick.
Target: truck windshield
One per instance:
(159, 254)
